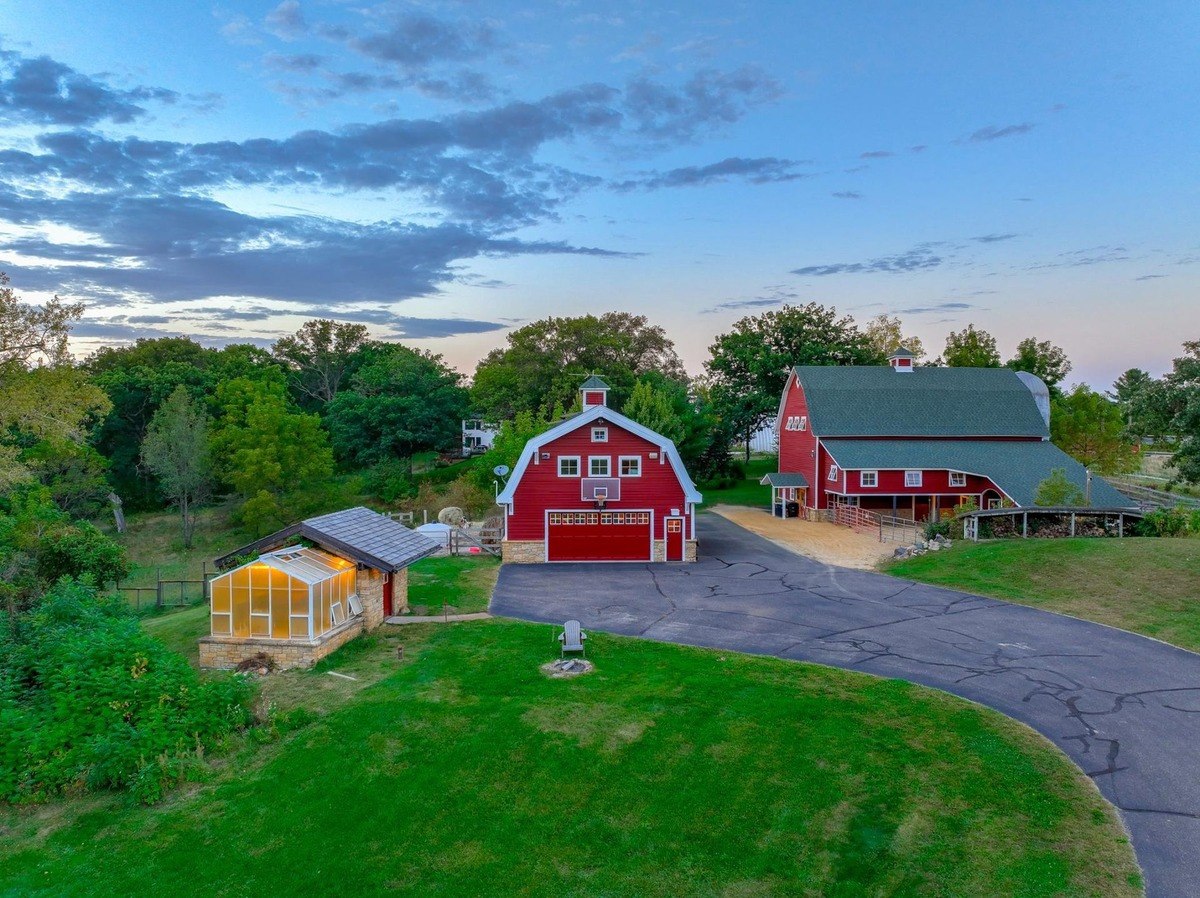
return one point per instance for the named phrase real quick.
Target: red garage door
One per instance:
(598, 536)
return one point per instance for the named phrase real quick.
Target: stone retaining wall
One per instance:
(522, 551)
(226, 652)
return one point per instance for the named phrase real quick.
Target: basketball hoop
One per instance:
(600, 500)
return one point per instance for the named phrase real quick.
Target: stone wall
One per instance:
(522, 551)
(370, 593)
(689, 550)
(226, 652)
(400, 591)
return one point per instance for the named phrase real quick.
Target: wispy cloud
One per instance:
(996, 132)
(755, 171)
(847, 195)
(876, 154)
(939, 308)
(919, 258)
(993, 238)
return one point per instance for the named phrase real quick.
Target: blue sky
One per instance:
(444, 171)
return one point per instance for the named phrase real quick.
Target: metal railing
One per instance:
(888, 527)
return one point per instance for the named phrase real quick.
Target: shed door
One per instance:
(598, 536)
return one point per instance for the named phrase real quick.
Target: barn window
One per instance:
(912, 478)
(599, 434)
(802, 422)
(568, 466)
(958, 478)
(833, 472)
(868, 478)
(598, 465)
(631, 466)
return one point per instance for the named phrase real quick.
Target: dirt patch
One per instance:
(828, 543)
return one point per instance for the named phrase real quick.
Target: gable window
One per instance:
(796, 422)
(958, 478)
(868, 478)
(568, 466)
(833, 472)
(598, 466)
(912, 478)
(599, 434)
(631, 466)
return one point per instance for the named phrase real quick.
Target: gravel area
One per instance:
(827, 543)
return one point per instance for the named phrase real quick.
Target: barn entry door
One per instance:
(674, 539)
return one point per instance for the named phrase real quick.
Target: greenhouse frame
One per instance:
(294, 593)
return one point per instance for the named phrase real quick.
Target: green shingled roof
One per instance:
(869, 400)
(594, 383)
(1015, 467)
(784, 479)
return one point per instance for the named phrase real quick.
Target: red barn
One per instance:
(914, 442)
(599, 487)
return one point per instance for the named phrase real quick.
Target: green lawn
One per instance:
(462, 770)
(747, 491)
(457, 584)
(1149, 586)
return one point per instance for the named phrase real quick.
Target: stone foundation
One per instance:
(689, 550)
(226, 652)
(370, 593)
(522, 551)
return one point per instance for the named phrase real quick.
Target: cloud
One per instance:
(919, 148)
(995, 132)
(876, 154)
(286, 21)
(707, 101)
(993, 238)
(44, 91)
(935, 309)
(298, 63)
(756, 171)
(1149, 277)
(847, 195)
(413, 41)
(775, 295)
(919, 258)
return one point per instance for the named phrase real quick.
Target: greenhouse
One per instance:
(296, 593)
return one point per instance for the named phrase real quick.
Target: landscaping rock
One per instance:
(567, 667)
(935, 546)
(900, 552)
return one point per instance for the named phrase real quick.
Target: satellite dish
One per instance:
(500, 470)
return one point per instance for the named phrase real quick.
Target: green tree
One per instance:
(971, 348)
(653, 408)
(1057, 491)
(42, 395)
(176, 450)
(1183, 388)
(544, 362)
(400, 402)
(320, 358)
(886, 333)
(74, 473)
(749, 365)
(507, 446)
(260, 443)
(1043, 359)
(1088, 427)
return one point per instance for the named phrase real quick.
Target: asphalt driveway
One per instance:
(1125, 708)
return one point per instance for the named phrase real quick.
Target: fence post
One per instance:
(158, 587)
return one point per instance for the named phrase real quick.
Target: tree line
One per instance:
(168, 421)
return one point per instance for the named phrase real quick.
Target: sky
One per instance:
(446, 171)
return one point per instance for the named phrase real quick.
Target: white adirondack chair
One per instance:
(572, 637)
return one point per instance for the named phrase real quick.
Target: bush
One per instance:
(1177, 521)
(462, 493)
(89, 701)
(390, 481)
(938, 528)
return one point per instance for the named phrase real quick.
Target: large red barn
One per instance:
(914, 442)
(599, 487)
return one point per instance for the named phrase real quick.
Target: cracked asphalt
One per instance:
(1126, 709)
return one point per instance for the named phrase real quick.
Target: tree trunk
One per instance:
(184, 507)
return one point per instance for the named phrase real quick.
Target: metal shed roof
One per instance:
(359, 534)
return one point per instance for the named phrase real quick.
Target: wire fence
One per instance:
(170, 592)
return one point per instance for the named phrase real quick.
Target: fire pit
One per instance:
(567, 667)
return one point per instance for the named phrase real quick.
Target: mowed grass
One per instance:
(747, 491)
(462, 770)
(1149, 586)
(456, 584)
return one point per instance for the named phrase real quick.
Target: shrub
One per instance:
(938, 528)
(1057, 491)
(390, 481)
(1169, 522)
(89, 701)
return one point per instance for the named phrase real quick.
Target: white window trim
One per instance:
(862, 479)
(913, 478)
(958, 478)
(833, 472)
(599, 434)
(802, 422)
(607, 459)
(578, 465)
(621, 459)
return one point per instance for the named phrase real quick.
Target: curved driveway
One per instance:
(1126, 709)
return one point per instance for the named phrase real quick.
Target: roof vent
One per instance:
(901, 360)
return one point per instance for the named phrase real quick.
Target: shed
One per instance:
(297, 603)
